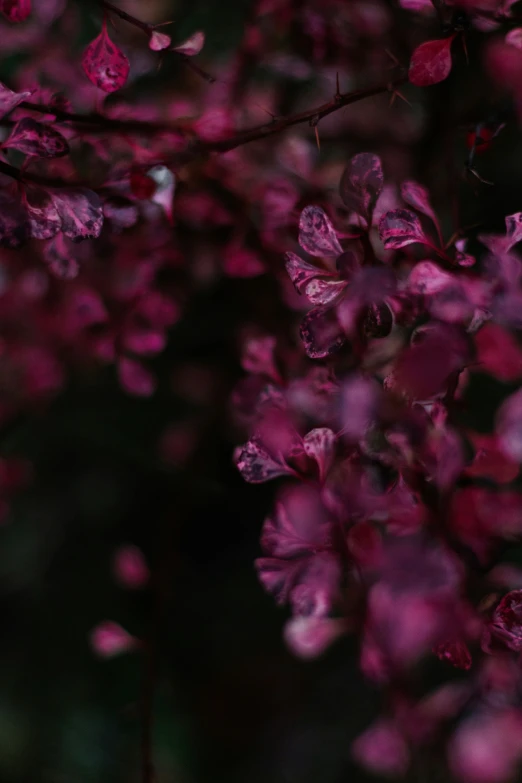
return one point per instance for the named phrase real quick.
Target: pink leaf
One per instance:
(382, 749)
(428, 278)
(514, 37)
(192, 45)
(509, 426)
(309, 637)
(80, 211)
(431, 62)
(35, 138)
(256, 465)
(360, 398)
(319, 444)
(300, 568)
(305, 276)
(321, 333)
(418, 197)
(104, 64)
(44, 220)
(422, 371)
(258, 356)
(130, 568)
(485, 747)
(159, 41)
(135, 378)
(317, 235)
(9, 100)
(15, 10)
(361, 184)
(109, 639)
(399, 228)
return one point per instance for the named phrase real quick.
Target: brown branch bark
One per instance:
(200, 149)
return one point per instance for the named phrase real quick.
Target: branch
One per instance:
(99, 121)
(200, 149)
(312, 116)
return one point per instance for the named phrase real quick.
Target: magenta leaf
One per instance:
(418, 197)
(361, 184)
(256, 465)
(35, 138)
(104, 64)
(44, 220)
(192, 45)
(80, 211)
(319, 444)
(15, 10)
(302, 272)
(431, 62)
(319, 286)
(9, 100)
(321, 333)
(423, 370)
(399, 228)
(427, 278)
(317, 235)
(301, 567)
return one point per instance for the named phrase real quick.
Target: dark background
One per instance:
(231, 704)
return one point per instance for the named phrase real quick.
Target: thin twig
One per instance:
(312, 116)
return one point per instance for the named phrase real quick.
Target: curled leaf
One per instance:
(104, 64)
(37, 139)
(431, 62)
(400, 227)
(361, 184)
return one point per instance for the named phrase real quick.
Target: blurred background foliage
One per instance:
(231, 703)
